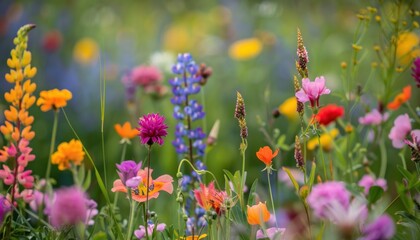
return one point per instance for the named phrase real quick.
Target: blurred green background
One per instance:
(127, 33)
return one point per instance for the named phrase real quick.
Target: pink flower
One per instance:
(152, 129)
(311, 91)
(127, 170)
(382, 228)
(373, 118)
(146, 76)
(368, 181)
(272, 233)
(68, 207)
(162, 183)
(402, 126)
(140, 233)
(4, 208)
(325, 195)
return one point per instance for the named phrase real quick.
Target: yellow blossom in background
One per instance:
(407, 47)
(325, 139)
(177, 39)
(245, 49)
(289, 109)
(53, 99)
(126, 132)
(86, 51)
(195, 237)
(71, 152)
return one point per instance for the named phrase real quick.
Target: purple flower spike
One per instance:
(416, 71)
(152, 129)
(311, 91)
(127, 170)
(382, 228)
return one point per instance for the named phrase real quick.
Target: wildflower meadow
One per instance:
(210, 120)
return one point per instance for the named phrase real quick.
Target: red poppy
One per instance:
(329, 114)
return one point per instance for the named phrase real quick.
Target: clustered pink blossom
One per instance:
(311, 91)
(398, 133)
(369, 181)
(382, 228)
(71, 206)
(373, 118)
(23, 177)
(152, 129)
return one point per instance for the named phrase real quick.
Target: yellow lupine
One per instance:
(24, 117)
(27, 133)
(11, 115)
(325, 139)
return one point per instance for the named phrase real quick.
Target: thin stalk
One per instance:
(149, 147)
(307, 218)
(243, 149)
(413, 113)
(322, 157)
(52, 144)
(131, 219)
(384, 159)
(271, 197)
(227, 221)
(122, 159)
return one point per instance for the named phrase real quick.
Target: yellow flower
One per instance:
(86, 51)
(245, 49)
(53, 99)
(407, 47)
(195, 237)
(125, 131)
(325, 139)
(183, 40)
(68, 152)
(289, 108)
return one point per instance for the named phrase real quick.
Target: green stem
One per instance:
(384, 160)
(131, 219)
(413, 113)
(322, 157)
(149, 147)
(244, 145)
(227, 223)
(52, 144)
(271, 196)
(307, 218)
(199, 172)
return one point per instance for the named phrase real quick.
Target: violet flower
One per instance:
(140, 233)
(152, 129)
(368, 181)
(311, 91)
(382, 228)
(4, 208)
(402, 126)
(128, 169)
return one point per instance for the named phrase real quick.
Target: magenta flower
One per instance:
(402, 126)
(311, 91)
(140, 233)
(127, 170)
(272, 233)
(373, 118)
(382, 228)
(152, 129)
(368, 181)
(325, 195)
(4, 208)
(68, 207)
(415, 71)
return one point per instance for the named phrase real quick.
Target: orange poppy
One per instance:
(257, 213)
(400, 98)
(125, 131)
(266, 155)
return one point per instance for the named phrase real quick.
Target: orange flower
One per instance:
(266, 155)
(257, 213)
(68, 152)
(195, 237)
(162, 183)
(209, 197)
(53, 99)
(125, 131)
(400, 98)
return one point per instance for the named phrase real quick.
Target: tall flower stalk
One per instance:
(240, 115)
(17, 126)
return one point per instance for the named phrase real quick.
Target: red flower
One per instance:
(209, 197)
(329, 114)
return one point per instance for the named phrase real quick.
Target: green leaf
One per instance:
(99, 236)
(404, 172)
(295, 184)
(375, 193)
(312, 175)
(252, 190)
(408, 203)
(81, 174)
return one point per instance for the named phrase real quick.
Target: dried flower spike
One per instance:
(300, 162)
(240, 115)
(303, 57)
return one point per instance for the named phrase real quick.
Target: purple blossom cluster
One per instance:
(185, 84)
